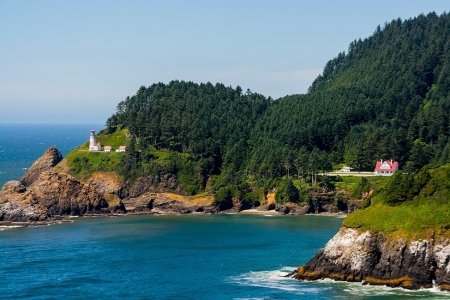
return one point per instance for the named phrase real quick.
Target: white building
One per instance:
(386, 167)
(107, 149)
(121, 149)
(93, 145)
(346, 169)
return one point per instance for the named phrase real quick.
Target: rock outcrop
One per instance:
(372, 258)
(152, 184)
(161, 203)
(48, 160)
(49, 197)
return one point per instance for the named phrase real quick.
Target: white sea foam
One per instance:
(274, 280)
(357, 288)
(3, 227)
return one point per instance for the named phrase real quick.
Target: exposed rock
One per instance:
(159, 203)
(14, 212)
(51, 195)
(14, 186)
(293, 209)
(106, 182)
(152, 184)
(355, 256)
(48, 160)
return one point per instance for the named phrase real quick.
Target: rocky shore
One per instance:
(47, 194)
(374, 259)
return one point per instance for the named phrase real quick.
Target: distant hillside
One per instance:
(388, 97)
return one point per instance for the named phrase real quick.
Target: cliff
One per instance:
(373, 258)
(51, 196)
(45, 194)
(48, 160)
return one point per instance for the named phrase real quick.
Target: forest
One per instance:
(386, 97)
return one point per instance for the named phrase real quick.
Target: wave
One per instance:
(357, 288)
(3, 227)
(329, 288)
(275, 280)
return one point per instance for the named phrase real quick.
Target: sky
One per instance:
(74, 61)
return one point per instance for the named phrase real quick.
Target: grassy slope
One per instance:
(83, 163)
(429, 211)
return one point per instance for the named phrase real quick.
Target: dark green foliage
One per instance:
(398, 189)
(387, 97)
(363, 187)
(370, 103)
(404, 187)
(224, 198)
(287, 192)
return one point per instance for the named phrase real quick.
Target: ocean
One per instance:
(228, 256)
(22, 144)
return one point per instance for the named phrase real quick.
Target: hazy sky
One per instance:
(73, 61)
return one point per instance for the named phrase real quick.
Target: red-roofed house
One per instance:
(386, 168)
(107, 148)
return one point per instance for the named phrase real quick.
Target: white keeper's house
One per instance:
(386, 167)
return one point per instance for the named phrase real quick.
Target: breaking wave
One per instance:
(329, 288)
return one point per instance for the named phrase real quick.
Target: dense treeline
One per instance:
(388, 97)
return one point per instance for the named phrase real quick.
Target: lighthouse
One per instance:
(93, 145)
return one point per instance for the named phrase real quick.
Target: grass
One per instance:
(412, 219)
(83, 163)
(116, 139)
(428, 213)
(350, 183)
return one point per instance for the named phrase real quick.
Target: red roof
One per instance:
(388, 165)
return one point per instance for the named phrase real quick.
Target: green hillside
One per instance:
(415, 205)
(387, 97)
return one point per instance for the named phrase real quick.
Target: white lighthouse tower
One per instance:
(93, 145)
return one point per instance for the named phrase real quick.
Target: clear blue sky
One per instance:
(73, 61)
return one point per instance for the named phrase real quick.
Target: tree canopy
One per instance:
(387, 97)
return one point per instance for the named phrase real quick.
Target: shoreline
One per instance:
(69, 219)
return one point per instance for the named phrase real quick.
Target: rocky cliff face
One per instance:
(161, 203)
(50, 196)
(48, 160)
(372, 258)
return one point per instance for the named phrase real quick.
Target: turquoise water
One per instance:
(174, 257)
(160, 257)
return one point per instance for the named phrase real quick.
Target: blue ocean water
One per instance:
(160, 257)
(174, 257)
(22, 144)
